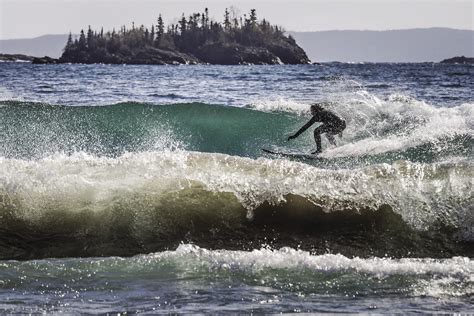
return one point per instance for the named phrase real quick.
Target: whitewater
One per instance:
(145, 189)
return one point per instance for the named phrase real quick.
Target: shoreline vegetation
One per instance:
(195, 39)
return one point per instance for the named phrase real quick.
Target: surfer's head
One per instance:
(315, 108)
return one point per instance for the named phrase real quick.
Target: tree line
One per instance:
(188, 35)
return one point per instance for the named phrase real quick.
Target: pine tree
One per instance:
(226, 20)
(203, 22)
(160, 29)
(82, 44)
(182, 25)
(147, 35)
(90, 36)
(152, 33)
(253, 17)
(69, 42)
(206, 19)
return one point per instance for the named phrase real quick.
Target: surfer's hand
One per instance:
(291, 137)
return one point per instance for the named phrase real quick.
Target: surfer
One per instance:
(331, 125)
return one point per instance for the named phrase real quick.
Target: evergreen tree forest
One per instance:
(193, 39)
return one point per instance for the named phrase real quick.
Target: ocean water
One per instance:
(145, 189)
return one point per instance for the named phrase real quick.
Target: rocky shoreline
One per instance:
(211, 54)
(214, 54)
(16, 58)
(459, 60)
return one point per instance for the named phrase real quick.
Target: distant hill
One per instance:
(46, 45)
(412, 45)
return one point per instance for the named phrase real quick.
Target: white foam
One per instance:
(376, 126)
(421, 193)
(289, 258)
(262, 270)
(433, 277)
(280, 105)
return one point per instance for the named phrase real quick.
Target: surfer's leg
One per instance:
(341, 129)
(317, 139)
(331, 139)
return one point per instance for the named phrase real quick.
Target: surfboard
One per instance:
(291, 155)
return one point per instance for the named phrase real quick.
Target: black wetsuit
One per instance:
(331, 125)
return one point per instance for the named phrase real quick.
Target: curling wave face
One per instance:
(378, 131)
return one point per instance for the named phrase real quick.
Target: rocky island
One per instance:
(193, 40)
(458, 60)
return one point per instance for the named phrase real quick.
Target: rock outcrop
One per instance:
(44, 60)
(16, 57)
(458, 60)
(215, 53)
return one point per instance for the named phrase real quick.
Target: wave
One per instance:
(38, 130)
(264, 264)
(398, 127)
(192, 279)
(377, 131)
(135, 177)
(153, 200)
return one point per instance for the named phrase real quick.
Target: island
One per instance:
(458, 60)
(195, 39)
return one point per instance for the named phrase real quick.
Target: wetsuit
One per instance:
(331, 125)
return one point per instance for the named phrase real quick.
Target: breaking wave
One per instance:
(137, 177)
(159, 197)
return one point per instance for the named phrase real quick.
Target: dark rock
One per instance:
(157, 56)
(15, 57)
(145, 56)
(458, 60)
(288, 52)
(235, 54)
(44, 60)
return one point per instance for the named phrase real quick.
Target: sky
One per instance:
(32, 18)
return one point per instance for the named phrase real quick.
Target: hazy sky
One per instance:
(31, 18)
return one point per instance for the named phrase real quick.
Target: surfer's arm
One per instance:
(302, 129)
(305, 127)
